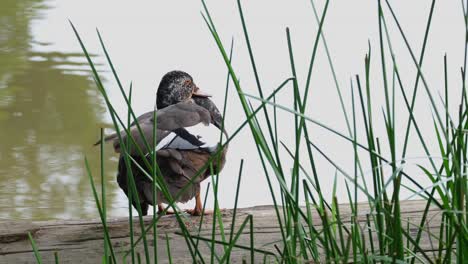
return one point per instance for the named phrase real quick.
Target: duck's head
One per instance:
(176, 87)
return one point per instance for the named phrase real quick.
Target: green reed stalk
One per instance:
(154, 192)
(103, 192)
(169, 257)
(227, 253)
(130, 191)
(202, 216)
(37, 255)
(98, 205)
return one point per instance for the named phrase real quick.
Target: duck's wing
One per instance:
(179, 126)
(185, 114)
(188, 132)
(114, 136)
(198, 137)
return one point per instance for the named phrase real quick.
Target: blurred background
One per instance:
(51, 111)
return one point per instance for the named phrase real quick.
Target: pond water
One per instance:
(51, 112)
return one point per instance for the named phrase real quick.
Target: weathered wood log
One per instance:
(82, 241)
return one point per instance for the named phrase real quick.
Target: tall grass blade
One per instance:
(37, 255)
(98, 205)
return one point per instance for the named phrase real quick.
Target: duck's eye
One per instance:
(187, 82)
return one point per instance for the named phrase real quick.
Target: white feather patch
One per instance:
(166, 141)
(209, 135)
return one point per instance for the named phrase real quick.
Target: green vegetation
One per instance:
(335, 239)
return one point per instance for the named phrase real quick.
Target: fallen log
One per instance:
(81, 241)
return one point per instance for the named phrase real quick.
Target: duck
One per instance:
(188, 130)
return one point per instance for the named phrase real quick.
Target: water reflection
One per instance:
(49, 116)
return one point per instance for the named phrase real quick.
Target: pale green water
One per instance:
(51, 112)
(49, 117)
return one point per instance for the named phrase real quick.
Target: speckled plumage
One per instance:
(175, 87)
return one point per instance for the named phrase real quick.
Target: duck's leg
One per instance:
(198, 210)
(160, 208)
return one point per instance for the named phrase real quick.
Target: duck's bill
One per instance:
(199, 93)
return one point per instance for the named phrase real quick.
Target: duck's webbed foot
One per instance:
(161, 210)
(198, 210)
